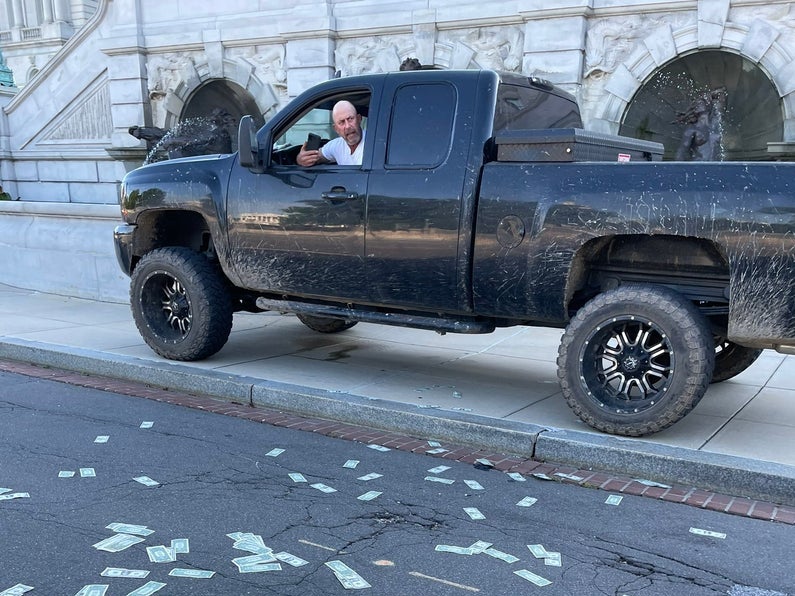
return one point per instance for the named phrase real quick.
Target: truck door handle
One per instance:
(338, 194)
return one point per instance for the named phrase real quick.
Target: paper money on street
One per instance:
(484, 463)
(553, 559)
(541, 476)
(10, 496)
(257, 564)
(571, 477)
(275, 452)
(370, 476)
(117, 543)
(527, 502)
(249, 542)
(351, 464)
(324, 488)
(4, 491)
(439, 469)
(498, 554)
(128, 573)
(645, 482)
(130, 529)
(614, 499)
(434, 444)
(191, 573)
(439, 480)
(102, 439)
(161, 554)
(290, 559)
(93, 590)
(474, 513)
(296, 477)
(180, 545)
(147, 589)
(532, 577)
(146, 481)
(87, 473)
(539, 552)
(457, 550)
(349, 579)
(66, 474)
(480, 546)
(516, 477)
(707, 533)
(473, 484)
(369, 495)
(147, 424)
(379, 448)
(436, 451)
(16, 590)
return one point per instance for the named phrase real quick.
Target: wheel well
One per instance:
(171, 228)
(694, 267)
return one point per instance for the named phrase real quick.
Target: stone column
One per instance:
(61, 10)
(18, 13)
(47, 12)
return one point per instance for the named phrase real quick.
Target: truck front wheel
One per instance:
(181, 304)
(635, 359)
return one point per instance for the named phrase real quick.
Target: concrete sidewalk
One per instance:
(498, 390)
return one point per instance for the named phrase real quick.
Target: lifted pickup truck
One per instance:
(480, 203)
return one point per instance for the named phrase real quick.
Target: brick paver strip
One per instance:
(600, 480)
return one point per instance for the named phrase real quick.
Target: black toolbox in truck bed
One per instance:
(573, 144)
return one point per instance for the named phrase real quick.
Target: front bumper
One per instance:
(123, 243)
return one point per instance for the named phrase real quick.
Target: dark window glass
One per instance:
(422, 125)
(527, 108)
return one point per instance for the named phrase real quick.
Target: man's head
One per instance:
(347, 123)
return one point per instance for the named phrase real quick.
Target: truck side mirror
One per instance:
(247, 143)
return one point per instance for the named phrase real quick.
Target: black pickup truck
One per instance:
(480, 203)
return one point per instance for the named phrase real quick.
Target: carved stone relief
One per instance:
(268, 62)
(90, 121)
(372, 54)
(498, 48)
(165, 73)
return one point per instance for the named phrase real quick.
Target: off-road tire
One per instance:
(731, 359)
(325, 324)
(181, 304)
(635, 359)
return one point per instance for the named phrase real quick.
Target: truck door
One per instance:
(416, 195)
(300, 231)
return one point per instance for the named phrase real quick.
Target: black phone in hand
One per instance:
(312, 142)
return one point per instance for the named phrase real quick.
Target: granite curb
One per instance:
(673, 465)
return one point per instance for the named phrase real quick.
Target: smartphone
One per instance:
(312, 142)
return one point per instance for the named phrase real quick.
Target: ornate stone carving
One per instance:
(268, 62)
(165, 72)
(499, 48)
(372, 54)
(91, 120)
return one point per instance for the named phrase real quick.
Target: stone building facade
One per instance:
(64, 132)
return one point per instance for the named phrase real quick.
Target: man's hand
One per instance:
(308, 158)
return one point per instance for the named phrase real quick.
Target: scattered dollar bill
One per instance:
(93, 590)
(707, 533)
(651, 483)
(436, 451)
(130, 529)
(379, 448)
(434, 444)
(370, 476)
(349, 579)
(4, 491)
(439, 469)
(66, 474)
(473, 484)
(462, 409)
(571, 477)
(324, 488)
(516, 477)
(369, 496)
(480, 546)
(290, 559)
(541, 476)
(527, 502)
(9, 496)
(191, 573)
(180, 545)
(256, 564)
(539, 552)
(147, 589)
(440, 480)
(498, 554)
(458, 550)
(102, 439)
(87, 473)
(146, 481)
(275, 452)
(128, 573)
(117, 543)
(614, 499)
(17, 590)
(429, 406)
(474, 513)
(532, 577)
(351, 464)
(296, 477)
(249, 542)
(147, 424)
(553, 559)
(483, 463)
(161, 554)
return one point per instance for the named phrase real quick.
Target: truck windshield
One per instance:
(523, 108)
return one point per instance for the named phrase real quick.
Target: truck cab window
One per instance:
(527, 108)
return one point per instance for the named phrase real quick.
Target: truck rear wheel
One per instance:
(635, 359)
(325, 324)
(181, 304)
(732, 359)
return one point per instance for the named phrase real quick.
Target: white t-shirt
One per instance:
(339, 151)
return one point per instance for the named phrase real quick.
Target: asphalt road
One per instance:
(219, 475)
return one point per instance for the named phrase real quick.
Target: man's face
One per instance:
(348, 125)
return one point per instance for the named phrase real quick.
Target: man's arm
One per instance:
(310, 158)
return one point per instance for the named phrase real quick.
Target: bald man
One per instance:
(347, 149)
